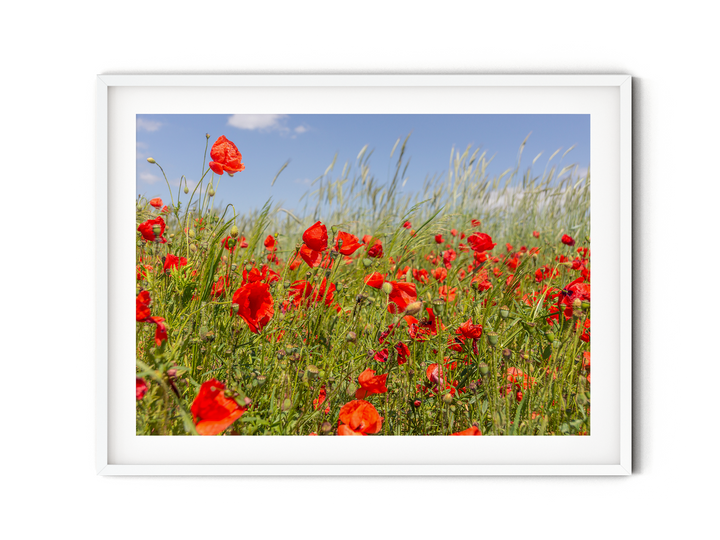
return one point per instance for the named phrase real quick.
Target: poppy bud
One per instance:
(577, 303)
(234, 232)
(286, 404)
(387, 287)
(413, 308)
(550, 335)
(351, 337)
(367, 262)
(207, 135)
(585, 305)
(211, 191)
(492, 338)
(193, 248)
(417, 403)
(150, 160)
(447, 399)
(504, 312)
(191, 233)
(186, 190)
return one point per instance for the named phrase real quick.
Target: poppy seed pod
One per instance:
(312, 371)
(326, 426)
(387, 288)
(150, 160)
(484, 369)
(504, 312)
(492, 338)
(157, 230)
(507, 353)
(351, 337)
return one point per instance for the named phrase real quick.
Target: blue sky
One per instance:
(177, 142)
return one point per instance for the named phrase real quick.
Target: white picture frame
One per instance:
(608, 451)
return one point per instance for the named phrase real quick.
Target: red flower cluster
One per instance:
(142, 314)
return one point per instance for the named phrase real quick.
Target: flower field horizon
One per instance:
(463, 309)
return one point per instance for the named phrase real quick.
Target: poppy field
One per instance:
(463, 309)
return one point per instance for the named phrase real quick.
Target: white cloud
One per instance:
(149, 178)
(301, 129)
(139, 150)
(303, 181)
(266, 122)
(148, 125)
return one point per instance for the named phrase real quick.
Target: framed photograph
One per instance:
(337, 275)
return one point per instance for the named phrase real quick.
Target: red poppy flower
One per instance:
(453, 232)
(567, 240)
(381, 356)
(212, 411)
(160, 329)
(255, 305)
(407, 225)
(320, 294)
(140, 388)
(153, 229)
(350, 243)
(315, 258)
(375, 250)
(218, 287)
(142, 306)
(370, 384)
(536, 234)
(439, 238)
(468, 330)
(401, 296)
(403, 353)
(225, 157)
(480, 242)
(375, 280)
(156, 202)
(422, 275)
(165, 210)
(173, 262)
(231, 244)
(270, 244)
(449, 256)
(299, 291)
(475, 223)
(316, 237)
(422, 330)
(440, 274)
(472, 430)
(141, 268)
(447, 294)
(359, 418)
(517, 377)
(322, 395)
(264, 274)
